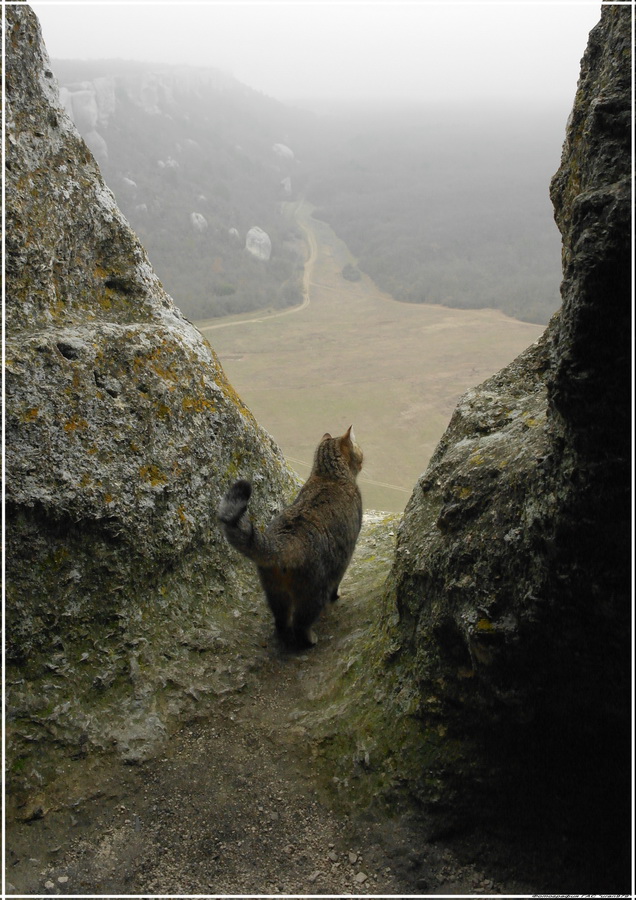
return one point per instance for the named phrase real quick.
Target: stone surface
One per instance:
(122, 434)
(512, 558)
(198, 221)
(283, 152)
(510, 591)
(258, 243)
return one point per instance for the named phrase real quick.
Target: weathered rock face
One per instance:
(122, 433)
(511, 582)
(258, 243)
(198, 221)
(283, 152)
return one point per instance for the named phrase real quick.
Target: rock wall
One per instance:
(122, 433)
(510, 589)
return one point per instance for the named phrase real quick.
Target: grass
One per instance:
(356, 356)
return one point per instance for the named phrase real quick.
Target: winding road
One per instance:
(307, 274)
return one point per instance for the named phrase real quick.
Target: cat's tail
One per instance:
(238, 528)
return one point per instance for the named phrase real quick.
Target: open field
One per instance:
(352, 354)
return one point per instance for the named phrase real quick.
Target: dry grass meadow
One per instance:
(353, 355)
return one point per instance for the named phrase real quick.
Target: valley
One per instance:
(351, 354)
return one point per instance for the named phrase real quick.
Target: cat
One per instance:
(303, 553)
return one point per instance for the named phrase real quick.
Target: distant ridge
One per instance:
(188, 152)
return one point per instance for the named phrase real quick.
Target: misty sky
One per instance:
(418, 51)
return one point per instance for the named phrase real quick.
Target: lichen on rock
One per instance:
(122, 433)
(513, 549)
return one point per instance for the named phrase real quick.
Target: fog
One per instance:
(473, 52)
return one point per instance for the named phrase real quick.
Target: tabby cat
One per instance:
(304, 551)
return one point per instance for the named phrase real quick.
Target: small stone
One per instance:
(315, 875)
(361, 877)
(333, 856)
(63, 879)
(49, 885)
(353, 858)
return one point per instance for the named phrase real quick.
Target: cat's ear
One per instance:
(349, 435)
(326, 437)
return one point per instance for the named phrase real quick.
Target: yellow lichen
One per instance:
(153, 474)
(163, 411)
(75, 424)
(197, 404)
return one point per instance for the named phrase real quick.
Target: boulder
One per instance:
(198, 221)
(97, 145)
(84, 104)
(283, 152)
(258, 243)
(510, 593)
(122, 433)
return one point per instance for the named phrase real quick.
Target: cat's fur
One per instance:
(304, 551)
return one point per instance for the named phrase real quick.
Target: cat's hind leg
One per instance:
(306, 611)
(281, 609)
(279, 600)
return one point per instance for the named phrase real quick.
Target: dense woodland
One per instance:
(181, 142)
(443, 206)
(449, 207)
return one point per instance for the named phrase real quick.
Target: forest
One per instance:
(177, 142)
(448, 207)
(439, 205)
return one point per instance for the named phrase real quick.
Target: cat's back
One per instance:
(318, 532)
(326, 516)
(324, 504)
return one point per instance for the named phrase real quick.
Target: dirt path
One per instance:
(307, 278)
(236, 801)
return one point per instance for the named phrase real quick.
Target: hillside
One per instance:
(353, 354)
(448, 206)
(438, 206)
(195, 160)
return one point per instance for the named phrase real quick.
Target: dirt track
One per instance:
(236, 801)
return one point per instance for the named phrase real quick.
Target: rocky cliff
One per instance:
(496, 691)
(511, 583)
(122, 432)
(188, 154)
